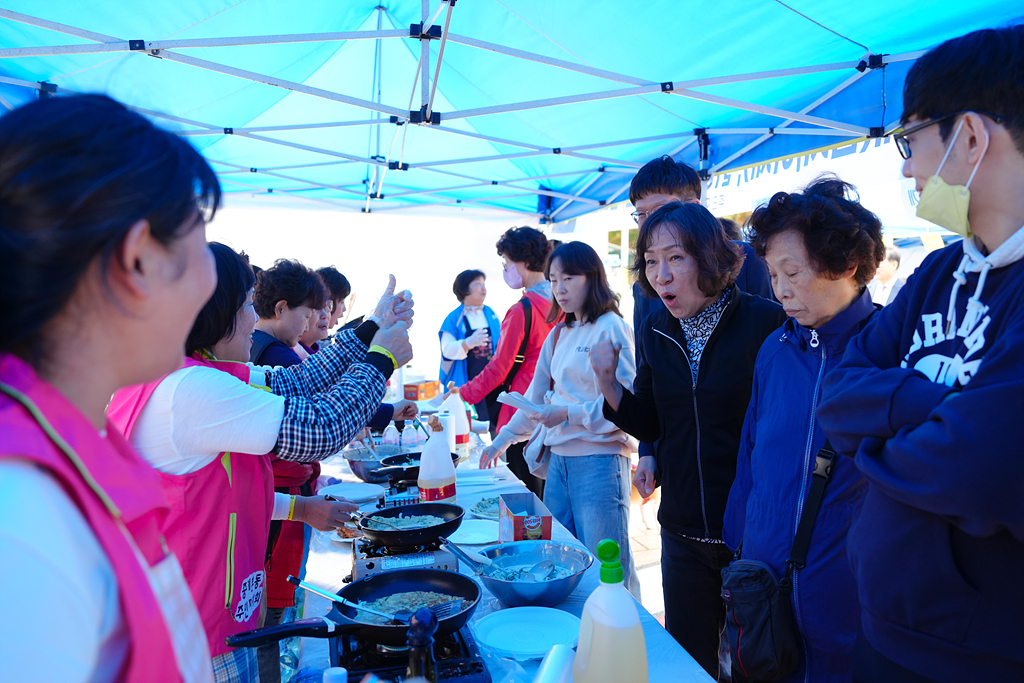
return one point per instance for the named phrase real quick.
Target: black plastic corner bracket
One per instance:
(376, 195)
(667, 86)
(876, 132)
(494, 182)
(229, 131)
(270, 190)
(398, 121)
(556, 150)
(253, 170)
(363, 209)
(46, 89)
(704, 174)
(700, 131)
(421, 117)
(458, 201)
(137, 45)
(396, 166)
(416, 31)
(873, 62)
(771, 131)
(601, 202)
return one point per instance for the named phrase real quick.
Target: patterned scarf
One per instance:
(698, 329)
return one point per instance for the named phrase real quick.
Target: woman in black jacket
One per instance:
(690, 395)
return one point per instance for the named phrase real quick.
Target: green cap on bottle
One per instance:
(608, 553)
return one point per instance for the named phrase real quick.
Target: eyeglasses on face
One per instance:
(638, 215)
(903, 145)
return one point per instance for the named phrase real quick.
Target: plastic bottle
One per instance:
(454, 405)
(437, 472)
(611, 646)
(409, 438)
(336, 674)
(391, 436)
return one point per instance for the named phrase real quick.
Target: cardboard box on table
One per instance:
(421, 391)
(522, 517)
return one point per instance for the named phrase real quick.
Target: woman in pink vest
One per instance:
(210, 428)
(103, 268)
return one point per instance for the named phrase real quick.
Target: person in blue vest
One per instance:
(928, 399)
(469, 336)
(822, 248)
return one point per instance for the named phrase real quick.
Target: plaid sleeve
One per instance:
(319, 425)
(321, 370)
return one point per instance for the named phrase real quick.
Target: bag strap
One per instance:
(521, 355)
(554, 344)
(823, 463)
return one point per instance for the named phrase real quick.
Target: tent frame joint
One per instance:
(872, 62)
(433, 33)
(420, 116)
(876, 132)
(397, 166)
(668, 86)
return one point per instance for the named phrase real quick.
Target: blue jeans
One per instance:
(589, 495)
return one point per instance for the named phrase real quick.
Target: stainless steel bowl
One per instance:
(544, 593)
(362, 461)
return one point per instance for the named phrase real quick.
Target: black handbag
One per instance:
(759, 620)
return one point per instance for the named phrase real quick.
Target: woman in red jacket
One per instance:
(524, 252)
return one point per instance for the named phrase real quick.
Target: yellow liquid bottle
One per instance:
(611, 645)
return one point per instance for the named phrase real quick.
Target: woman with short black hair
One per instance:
(822, 248)
(469, 335)
(690, 395)
(339, 287)
(103, 268)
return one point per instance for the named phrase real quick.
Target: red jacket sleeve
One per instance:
(495, 372)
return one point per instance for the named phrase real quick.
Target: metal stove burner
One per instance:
(369, 559)
(457, 655)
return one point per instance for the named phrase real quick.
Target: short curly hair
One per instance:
(526, 245)
(719, 259)
(291, 282)
(838, 232)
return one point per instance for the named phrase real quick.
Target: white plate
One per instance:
(476, 532)
(354, 491)
(527, 632)
(473, 512)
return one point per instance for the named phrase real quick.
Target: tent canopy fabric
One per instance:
(544, 109)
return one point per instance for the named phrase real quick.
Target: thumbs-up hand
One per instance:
(604, 359)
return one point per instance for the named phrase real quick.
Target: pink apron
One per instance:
(219, 521)
(119, 496)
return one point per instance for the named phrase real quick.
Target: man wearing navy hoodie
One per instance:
(929, 399)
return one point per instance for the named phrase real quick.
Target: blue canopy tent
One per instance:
(544, 109)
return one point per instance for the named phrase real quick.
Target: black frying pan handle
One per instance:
(317, 627)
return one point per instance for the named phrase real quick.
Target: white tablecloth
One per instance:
(330, 562)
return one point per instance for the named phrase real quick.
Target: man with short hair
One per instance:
(929, 397)
(884, 288)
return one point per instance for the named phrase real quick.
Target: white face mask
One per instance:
(946, 205)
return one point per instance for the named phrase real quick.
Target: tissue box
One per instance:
(422, 391)
(522, 517)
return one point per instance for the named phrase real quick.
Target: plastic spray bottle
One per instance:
(611, 646)
(437, 472)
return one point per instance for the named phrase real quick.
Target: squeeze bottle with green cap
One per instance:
(611, 646)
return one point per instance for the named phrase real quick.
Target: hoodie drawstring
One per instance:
(960, 280)
(974, 305)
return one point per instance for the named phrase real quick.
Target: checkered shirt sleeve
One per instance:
(329, 398)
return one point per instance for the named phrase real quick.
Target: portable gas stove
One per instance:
(399, 492)
(368, 559)
(457, 656)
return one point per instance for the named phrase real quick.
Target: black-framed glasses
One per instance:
(903, 145)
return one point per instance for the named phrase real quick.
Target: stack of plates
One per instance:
(527, 632)
(355, 492)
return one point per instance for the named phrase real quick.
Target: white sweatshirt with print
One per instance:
(586, 431)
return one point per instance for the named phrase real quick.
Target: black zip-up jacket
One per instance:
(697, 427)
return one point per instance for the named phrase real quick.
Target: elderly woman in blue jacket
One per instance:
(822, 249)
(469, 336)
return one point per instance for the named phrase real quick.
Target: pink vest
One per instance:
(219, 521)
(116, 491)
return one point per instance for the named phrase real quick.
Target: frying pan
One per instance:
(403, 466)
(390, 538)
(341, 619)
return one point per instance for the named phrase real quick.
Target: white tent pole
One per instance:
(771, 111)
(567, 202)
(399, 129)
(187, 43)
(440, 56)
(810, 107)
(424, 55)
(290, 193)
(320, 163)
(58, 27)
(310, 183)
(583, 173)
(298, 126)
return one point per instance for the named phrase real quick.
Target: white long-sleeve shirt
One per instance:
(586, 431)
(452, 348)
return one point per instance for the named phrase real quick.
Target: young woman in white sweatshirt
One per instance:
(588, 476)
